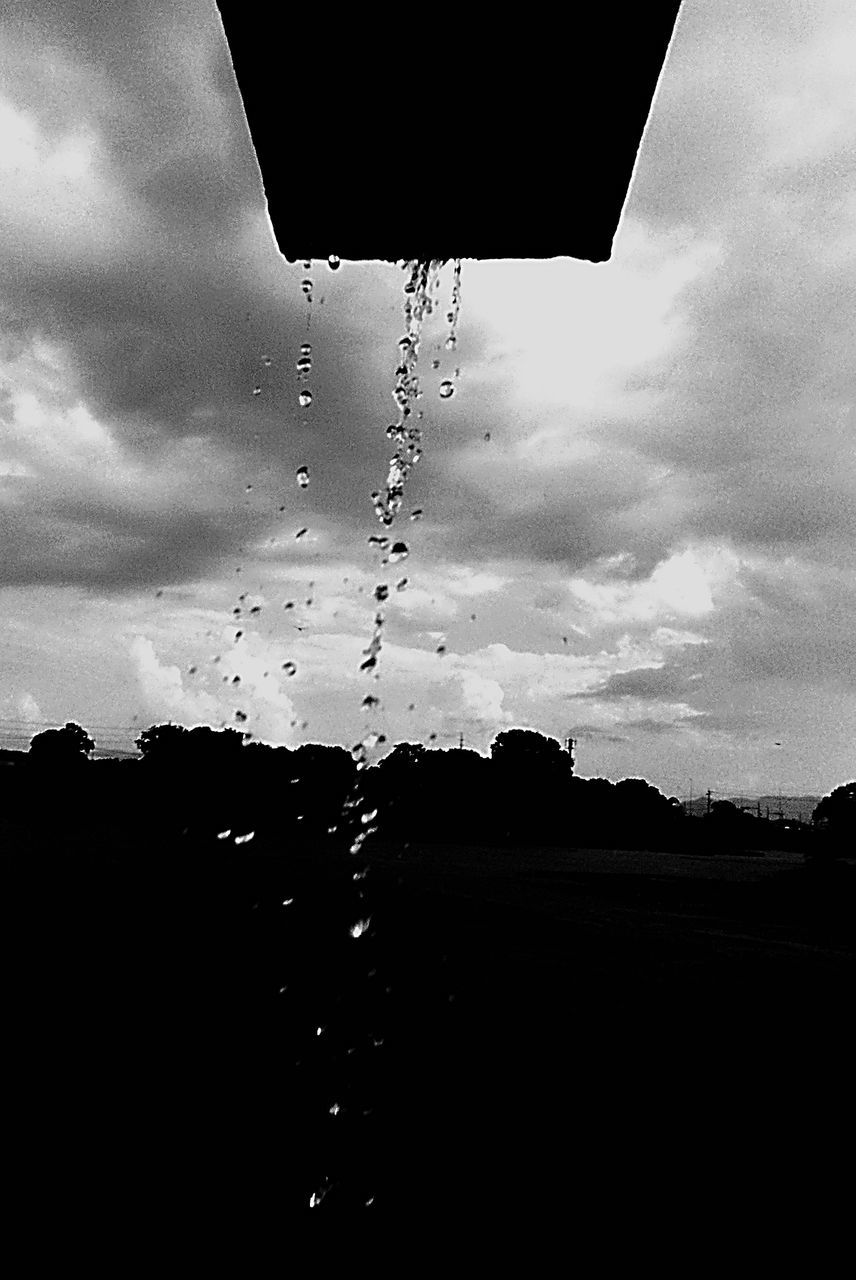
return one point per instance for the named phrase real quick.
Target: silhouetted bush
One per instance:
(202, 782)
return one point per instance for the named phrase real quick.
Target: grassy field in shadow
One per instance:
(516, 1031)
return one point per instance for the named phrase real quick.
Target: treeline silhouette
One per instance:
(202, 783)
(207, 1026)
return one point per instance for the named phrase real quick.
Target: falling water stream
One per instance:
(406, 433)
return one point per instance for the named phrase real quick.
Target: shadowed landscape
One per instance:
(521, 1021)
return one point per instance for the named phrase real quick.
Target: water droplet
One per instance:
(450, 344)
(245, 838)
(266, 360)
(416, 513)
(333, 262)
(304, 366)
(256, 609)
(366, 818)
(304, 399)
(257, 390)
(359, 928)
(302, 474)
(446, 389)
(224, 835)
(306, 286)
(289, 668)
(238, 635)
(301, 533)
(236, 679)
(289, 604)
(191, 671)
(398, 551)
(487, 435)
(441, 649)
(370, 700)
(401, 584)
(381, 592)
(335, 1109)
(241, 716)
(306, 349)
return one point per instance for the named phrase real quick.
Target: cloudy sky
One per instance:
(638, 505)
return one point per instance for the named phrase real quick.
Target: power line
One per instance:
(59, 724)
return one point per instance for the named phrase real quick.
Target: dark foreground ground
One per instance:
(552, 1033)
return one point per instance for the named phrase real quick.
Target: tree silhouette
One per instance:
(162, 743)
(526, 747)
(838, 809)
(834, 821)
(58, 748)
(530, 777)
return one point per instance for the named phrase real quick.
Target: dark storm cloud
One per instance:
(753, 415)
(592, 734)
(657, 727)
(668, 683)
(487, 504)
(798, 627)
(705, 128)
(741, 721)
(157, 82)
(164, 326)
(76, 545)
(166, 332)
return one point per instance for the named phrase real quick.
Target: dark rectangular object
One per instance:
(381, 138)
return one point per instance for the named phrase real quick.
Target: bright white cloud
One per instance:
(685, 585)
(482, 699)
(209, 694)
(56, 197)
(568, 331)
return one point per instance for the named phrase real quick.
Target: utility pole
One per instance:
(460, 742)
(708, 801)
(570, 744)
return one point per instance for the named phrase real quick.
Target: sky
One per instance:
(638, 505)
